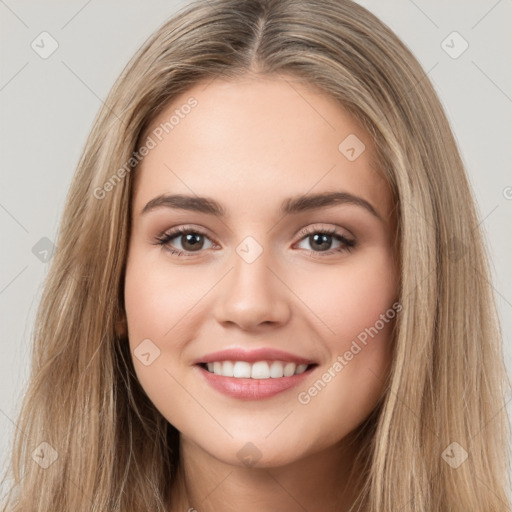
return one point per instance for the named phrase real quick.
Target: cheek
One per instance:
(159, 301)
(350, 299)
(357, 305)
(158, 304)
(160, 308)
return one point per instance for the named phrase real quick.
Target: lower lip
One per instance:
(252, 389)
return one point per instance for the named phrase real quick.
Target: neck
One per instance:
(322, 481)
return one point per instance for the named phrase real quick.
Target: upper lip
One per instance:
(252, 356)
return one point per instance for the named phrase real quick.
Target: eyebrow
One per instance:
(290, 206)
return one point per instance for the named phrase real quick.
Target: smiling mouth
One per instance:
(260, 370)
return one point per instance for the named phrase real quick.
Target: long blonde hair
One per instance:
(445, 395)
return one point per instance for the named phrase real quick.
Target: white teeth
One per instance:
(289, 369)
(301, 368)
(241, 370)
(276, 370)
(227, 369)
(258, 370)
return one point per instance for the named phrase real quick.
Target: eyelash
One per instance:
(164, 238)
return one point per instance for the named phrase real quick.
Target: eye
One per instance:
(323, 238)
(192, 240)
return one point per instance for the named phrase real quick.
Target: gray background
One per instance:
(48, 105)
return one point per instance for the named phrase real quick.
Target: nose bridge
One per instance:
(252, 294)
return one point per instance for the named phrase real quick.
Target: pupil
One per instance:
(325, 239)
(189, 239)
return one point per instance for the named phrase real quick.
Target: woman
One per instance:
(197, 350)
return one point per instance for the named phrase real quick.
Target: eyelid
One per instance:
(185, 228)
(165, 238)
(182, 229)
(313, 228)
(307, 230)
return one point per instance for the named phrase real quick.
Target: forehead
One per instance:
(258, 139)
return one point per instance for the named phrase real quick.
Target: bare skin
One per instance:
(250, 144)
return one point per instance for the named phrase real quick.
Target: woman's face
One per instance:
(286, 289)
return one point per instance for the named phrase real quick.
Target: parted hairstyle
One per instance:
(447, 382)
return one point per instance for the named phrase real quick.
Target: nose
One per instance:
(253, 295)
